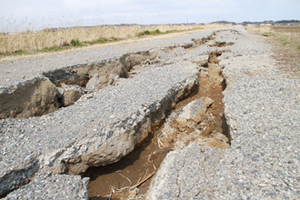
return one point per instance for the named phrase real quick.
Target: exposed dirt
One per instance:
(33, 99)
(285, 41)
(136, 166)
(211, 84)
(288, 59)
(286, 28)
(222, 44)
(63, 87)
(130, 177)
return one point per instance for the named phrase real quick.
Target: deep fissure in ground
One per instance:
(147, 156)
(130, 177)
(63, 87)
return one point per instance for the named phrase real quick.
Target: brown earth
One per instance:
(286, 28)
(285, 41)
(288, 59)
(130, 177)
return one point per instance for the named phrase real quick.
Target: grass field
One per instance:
(285, 41)
(288, 36)
(61, 39)
(32, 43)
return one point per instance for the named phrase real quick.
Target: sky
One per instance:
(18, 15)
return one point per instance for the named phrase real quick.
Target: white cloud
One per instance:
(148, 11)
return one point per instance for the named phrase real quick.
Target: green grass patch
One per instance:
(19, 52)
(172, 31)
(146, 32)
(103, 40)
(75, 43)
(286, 43)
(52, 49)
(15, 53)
(268, 34)
(158, 32)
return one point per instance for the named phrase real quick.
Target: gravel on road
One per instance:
(262, 110)
(261, 106)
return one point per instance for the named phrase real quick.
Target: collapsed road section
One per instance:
(86, 138)
(199, 118)
(43, 85)
(261, 105)
(101, 128)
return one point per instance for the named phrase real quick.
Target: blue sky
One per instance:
(21, 14)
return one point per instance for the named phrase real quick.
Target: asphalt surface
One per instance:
(261, 108)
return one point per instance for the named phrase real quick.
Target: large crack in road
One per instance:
(130, 177)
(143, 133)
(172, 102)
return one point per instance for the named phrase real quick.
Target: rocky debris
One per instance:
(170, 55)
(31, 98)
(76, 69)
(71, 94)
(261, 107)
(115, 120)
(107, 118)
(204, 39)
(60, 92)
(14, 71)
(185, 173)
(224, 39)
(93, 82)
(75, 80)
(194, 111)
(57, 186)
(133, 128)
(202, 61)
(192, 124)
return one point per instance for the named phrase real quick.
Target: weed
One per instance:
(75, 42)
(19, 52)
(146, 32)
(51, 40)
(268, 34)
(172, 31)
(53, 49)
(157, 31)
(102, 40)
(15, 53)
(286, 35)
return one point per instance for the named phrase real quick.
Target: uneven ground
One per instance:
(140, 165)
(164, 95)
(261, 107)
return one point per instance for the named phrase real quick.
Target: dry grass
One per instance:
(51, 41)
(288, 36)
(285, 41)
(46, 39)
